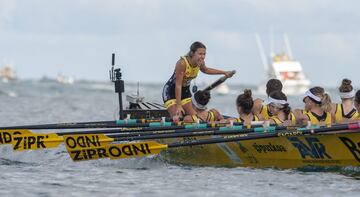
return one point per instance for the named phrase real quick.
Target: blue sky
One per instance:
(77, 37)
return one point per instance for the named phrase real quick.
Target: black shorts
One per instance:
(169, 98)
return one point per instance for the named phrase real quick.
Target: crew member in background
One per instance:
(176, 92)
(280, 109)
(244, 106)
(317, 107)
(345, 111)
(259, 106)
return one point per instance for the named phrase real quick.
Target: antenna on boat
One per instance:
(271, 36)
(261, 52)
(287, 45)
(115, 76)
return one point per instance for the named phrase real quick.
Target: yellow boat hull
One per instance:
(325, 150)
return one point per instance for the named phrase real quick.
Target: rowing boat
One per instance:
(194, 144)
(326, 149)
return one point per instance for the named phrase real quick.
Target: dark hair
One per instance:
(195, 46)
(357, 97)
(202, 97)
(325, 98)
(345, 86)
(281, 96)
(273, 85)
(245, 101)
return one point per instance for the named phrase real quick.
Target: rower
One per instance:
(259, 106)
(280, 109)
(345, 111)
(244, 105)
(176, 92)
(317, 107)
(199, 101)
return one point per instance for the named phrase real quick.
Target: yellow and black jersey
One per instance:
(168, 93)
(340, 115)
(211, 117)
(191, 73)
(255, 118)
(265, 112)
(316, 119)
(277, 120)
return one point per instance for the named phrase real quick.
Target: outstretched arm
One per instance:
(213, 71)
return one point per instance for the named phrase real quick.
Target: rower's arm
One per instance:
(300, 117)
(257, 106)
(179, 73)
(218, 116)
(211, 71)
(333, 111)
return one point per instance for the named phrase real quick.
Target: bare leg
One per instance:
(172, 111)
(189, 110)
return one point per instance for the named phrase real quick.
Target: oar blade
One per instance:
(115, 151)
(33, 141)
(6, 136)
(85, 154)
(83, 141)
(87, 147)
(120, 151)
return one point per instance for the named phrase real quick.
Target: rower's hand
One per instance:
(176, 119)
(229, 74)
(180, 112)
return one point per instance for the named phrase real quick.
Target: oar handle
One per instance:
(192, 132)
(96, 124)
(218, 82)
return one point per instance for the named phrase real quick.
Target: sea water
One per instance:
(52, 173)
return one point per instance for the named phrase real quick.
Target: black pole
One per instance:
(115, 76)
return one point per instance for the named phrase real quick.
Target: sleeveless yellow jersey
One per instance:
(239, 120)
(265, 112)
(191, 72)
(339, 113)
(315, 119)
(277, 120)
(211, 115)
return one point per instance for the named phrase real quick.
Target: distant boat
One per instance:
(62, 79)
(7, 73)
(283, 67)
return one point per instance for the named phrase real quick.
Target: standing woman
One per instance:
(176, 93)
(345, 110)
(317, 107)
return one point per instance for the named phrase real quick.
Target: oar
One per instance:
(99, 124)
(6, 136)
(81, 152)
(111, 124)
(218, 82)
(26, 140)
(196, 132)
